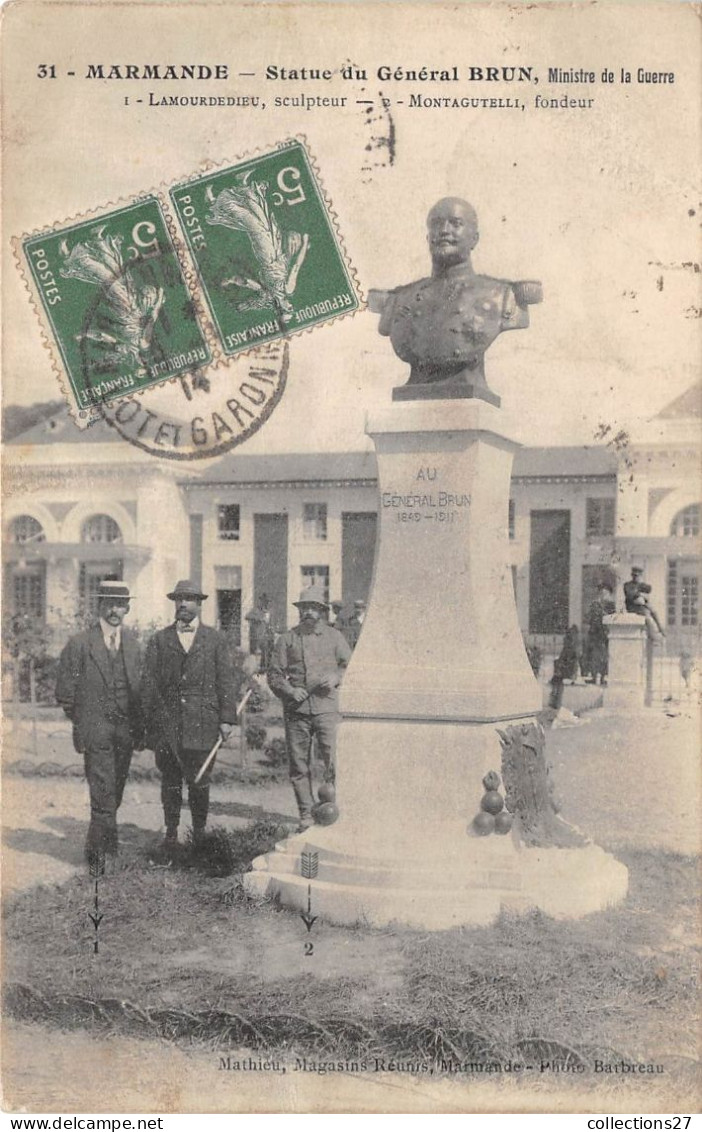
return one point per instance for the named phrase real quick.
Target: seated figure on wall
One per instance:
(636, 600)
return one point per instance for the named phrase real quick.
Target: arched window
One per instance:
(100, 528)
(686, 523)
(25, 528)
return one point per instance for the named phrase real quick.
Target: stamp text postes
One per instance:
(117, 303)
(269, 259)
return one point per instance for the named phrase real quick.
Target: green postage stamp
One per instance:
(171, 286)
(269, 259)
(115, 296)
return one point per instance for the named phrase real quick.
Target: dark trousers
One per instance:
(300, 730)
(106, 769)
(555, 700)
(174, 771)
(599, 658)
(651, 617)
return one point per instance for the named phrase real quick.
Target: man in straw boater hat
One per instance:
(189, 695)
(305, 673)
(98, 687)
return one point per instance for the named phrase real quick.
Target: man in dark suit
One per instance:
(189, 694)
(352, 628)
(336, 618)
(98, 688)
(597, 640)
(261, 631)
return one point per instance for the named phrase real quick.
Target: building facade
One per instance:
(82, 507)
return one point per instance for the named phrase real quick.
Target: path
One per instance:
(624, 780)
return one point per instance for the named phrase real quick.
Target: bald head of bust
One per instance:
(452, 232)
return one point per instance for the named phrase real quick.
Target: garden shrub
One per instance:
(255, 736)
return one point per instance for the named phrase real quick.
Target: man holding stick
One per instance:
(190, 705)
(305, 673)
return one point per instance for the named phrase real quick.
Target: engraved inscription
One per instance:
(439, 507)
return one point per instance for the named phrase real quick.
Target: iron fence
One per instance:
(672, 673)
(542, 650)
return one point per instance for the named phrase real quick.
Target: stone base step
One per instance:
(563, 883)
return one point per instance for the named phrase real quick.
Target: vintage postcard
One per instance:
(351, 644)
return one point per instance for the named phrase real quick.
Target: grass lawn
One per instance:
(185, 955)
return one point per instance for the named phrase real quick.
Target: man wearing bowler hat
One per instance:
(305, 673)
(98, 687)
(189, 697)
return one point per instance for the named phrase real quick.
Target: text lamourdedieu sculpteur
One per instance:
(442, 325)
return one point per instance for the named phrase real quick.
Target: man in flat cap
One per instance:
(636, 600)
(305, 673)
(98, 687)
(189, 694)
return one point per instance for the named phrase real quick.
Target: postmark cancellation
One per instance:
(152, 299)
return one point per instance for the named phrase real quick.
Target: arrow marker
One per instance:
(96, 917)
(307, 916)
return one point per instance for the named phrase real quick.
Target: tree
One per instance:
(16, 419)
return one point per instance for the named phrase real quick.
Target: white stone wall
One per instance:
(162, 526)
(301, 550)
(151, 507)
(145, 502)
(554, 496)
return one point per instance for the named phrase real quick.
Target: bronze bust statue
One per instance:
(443, 325)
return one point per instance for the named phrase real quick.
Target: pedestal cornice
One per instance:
(421, 417)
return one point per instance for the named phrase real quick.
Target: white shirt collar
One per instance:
(194, 624)
(107, 632)
(186, 639)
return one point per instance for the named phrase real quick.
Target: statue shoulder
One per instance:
(379, 301)
(525, 292)
(387, 303)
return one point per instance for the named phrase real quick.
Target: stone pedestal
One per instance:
(626, 680)
(439, 667)
(441, 640)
